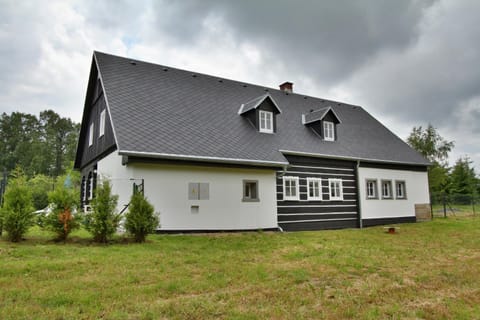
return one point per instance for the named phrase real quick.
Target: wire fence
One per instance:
(454, 204)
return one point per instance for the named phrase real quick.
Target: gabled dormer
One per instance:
(323, 122)
(262, 113)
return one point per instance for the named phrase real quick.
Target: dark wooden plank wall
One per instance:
(101, 145)
(306, 214)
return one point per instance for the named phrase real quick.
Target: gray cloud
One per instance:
(328, 39)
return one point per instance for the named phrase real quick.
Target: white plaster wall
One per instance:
(166, 187)
(416, 190)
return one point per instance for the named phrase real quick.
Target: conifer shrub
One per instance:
(102, 222)
(17, 213)
(63, 217)
(140, 219)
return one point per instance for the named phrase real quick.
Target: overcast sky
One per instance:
(408, 63)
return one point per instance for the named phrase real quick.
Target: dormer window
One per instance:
(261, 112)
(266, 121)
(323, 122)
(328, 131)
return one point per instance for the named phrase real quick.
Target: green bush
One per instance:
(103, 221)
(140, 219)
(17, 212)
(63, 218)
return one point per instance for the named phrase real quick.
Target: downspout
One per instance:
(360, 223)
(281, 175)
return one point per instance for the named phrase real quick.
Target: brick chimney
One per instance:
(286, 87)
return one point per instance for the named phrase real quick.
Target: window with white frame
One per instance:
(314, 189)
(101, 129)
(90, 135)
(335, 189)
(90, 186)
(290, 188)
(250, 191)
(266, 121)
(328, 131)
(386, 189)
(372, 191)
(400, 190)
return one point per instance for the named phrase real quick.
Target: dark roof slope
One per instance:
(165, 112)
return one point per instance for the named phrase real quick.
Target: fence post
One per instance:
(444, 205)
(473, 204)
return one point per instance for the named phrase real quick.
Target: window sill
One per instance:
(250, 200)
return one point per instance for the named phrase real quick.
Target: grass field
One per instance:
(428, 270)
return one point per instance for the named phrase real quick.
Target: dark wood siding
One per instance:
(304, 214)
(101, 145)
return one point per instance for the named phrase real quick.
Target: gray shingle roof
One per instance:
(254, 103)
(161, 111)
(317, 115)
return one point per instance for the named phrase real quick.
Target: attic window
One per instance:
(329, 131)
(266, 121)
(101, 130)
(90, 135)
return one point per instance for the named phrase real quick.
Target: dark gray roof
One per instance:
(160, 111)
(316, 115)
(254, 103)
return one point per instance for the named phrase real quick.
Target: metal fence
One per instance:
(454, 204)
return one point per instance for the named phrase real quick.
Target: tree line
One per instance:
(44, 145)
(460, 178)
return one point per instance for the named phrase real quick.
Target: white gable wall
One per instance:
(166, 187)
(416, 193)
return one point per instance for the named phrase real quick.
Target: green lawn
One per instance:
(428, 270)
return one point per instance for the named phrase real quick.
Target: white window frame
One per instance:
(329, 131)
(388, 194)
(101, 129)
(374, 189)
(90, 191)
(319, 188)
(84, 185)
(90, 134)
(404, 190)
(265, 126)
(338, 197)
(297, 188)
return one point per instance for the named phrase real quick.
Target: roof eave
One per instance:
(184, 157)
(319, 155)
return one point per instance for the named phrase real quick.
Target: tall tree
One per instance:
(430, 144)
(61, 137)
(463, 177)
(436, 149)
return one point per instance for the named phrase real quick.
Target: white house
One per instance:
(218, 154)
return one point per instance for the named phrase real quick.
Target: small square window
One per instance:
(90, 135)
(290, 188)
(250, 191)
(372, 191)
(101, 130)
(335, 189)
(266, 121)
(386, 189)
(314, 189)
(328, 131)
(400, 190)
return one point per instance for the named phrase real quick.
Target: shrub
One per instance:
(40, 185)
(102, 222)
(17, 212)
(63, 218)
(140, 219)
